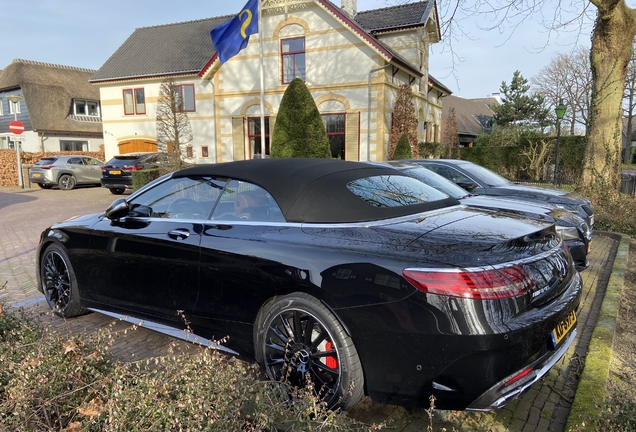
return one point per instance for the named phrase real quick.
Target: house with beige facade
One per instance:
(352, 62)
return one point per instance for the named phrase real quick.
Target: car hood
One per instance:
(538, 194)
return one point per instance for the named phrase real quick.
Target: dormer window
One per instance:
(86, 108)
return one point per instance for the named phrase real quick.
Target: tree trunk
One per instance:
(611, 51)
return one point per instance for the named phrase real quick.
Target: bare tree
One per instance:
(568, 77)
(450, 134)
(174, 132)
(612, 36)
(404, 121)
(629, 104)
(538, 152)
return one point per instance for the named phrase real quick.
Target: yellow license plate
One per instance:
(563, 328)
(589, 247)
(116, 172)
(36, 175)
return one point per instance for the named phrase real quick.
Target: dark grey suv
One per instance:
(66, 171)
(117, 172)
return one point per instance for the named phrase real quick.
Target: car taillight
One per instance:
(46, 166)
(517, 377)
(491, 284)
(133, 168)
(104, 168)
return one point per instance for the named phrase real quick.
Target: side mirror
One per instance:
(468, 185)
(118, 209)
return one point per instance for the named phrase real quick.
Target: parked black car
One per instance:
(117, 172)
(477, 179)
(355, 277)
(575, 232)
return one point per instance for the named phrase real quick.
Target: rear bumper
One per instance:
(500, 394)
(117, 183)
(578, 250)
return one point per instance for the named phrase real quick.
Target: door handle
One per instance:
(179, 234)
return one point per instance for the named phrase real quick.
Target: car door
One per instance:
(240, 261)
(147, 263)
(93, 169)
(76, 166)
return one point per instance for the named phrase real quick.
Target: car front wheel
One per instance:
(298, 340)
(66, 182)
(59, 284)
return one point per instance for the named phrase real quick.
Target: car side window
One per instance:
(449, 173)
(75, 161)
(178, 198)
(91, 161)
(245, 201)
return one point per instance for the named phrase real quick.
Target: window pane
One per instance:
(334, 123)
(394, 191)
(93, 108)
(80, 107)
(288, 68)
(188, 97)
(140, 101)
(245, 201)
(293, 45)
(337, 145)
(189, 152)
(300, 66)
(187, 198)
(204, 151)
(128, 102)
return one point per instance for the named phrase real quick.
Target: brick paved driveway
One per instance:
(24, 214)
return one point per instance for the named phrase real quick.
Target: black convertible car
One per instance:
(356, 277)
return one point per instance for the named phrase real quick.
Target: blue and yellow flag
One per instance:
(232, 36)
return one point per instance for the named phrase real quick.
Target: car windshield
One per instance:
(46, 161)
(394, 191)
(437, 181)
(487, 176)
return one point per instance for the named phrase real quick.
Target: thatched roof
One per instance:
(49, 91)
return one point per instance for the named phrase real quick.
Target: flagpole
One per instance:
(260, 42)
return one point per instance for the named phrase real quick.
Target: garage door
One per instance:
(130, 146)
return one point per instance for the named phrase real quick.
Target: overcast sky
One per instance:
(85, 33)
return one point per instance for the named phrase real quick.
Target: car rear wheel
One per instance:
(66, 182)
(298, 340)
(59, 284)
(117, 191)
(44, 186)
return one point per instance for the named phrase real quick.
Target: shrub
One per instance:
(299, 131)
(402, 149)
(143, 177)
(431, 150)
(53, 382)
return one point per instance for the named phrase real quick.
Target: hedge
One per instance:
(143, 177)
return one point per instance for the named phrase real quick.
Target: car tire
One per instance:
(59, 284)
(117, 191)
(44, 186)
(340, 375)
(66, 182)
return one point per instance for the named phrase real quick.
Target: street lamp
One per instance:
(560, 112)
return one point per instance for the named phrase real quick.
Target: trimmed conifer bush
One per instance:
(402, 149)
(299, 131)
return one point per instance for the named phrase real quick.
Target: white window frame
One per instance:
(86, 103)
(14, 107)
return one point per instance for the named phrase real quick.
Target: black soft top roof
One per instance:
(313, 190)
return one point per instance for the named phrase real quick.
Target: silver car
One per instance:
(66, 171)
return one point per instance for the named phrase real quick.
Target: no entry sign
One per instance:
(16, 127)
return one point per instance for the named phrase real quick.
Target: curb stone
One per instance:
(590, 393)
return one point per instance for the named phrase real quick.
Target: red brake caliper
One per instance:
(330, 361)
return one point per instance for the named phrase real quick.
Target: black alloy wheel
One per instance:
(117, 191)
(66, 182)
(299, 341)
(59, 284)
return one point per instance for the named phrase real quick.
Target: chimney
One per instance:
(350, 6)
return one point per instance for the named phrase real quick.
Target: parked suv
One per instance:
(117, 172)
(66, 172)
